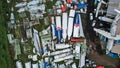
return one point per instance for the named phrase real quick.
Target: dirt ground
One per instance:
(103, 60)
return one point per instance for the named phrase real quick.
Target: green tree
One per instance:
(5, 61)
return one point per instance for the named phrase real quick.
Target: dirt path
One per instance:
(103, 60)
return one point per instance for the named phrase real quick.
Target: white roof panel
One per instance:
(63, 58)
(21, 10)
(72, 13)
(61, 51)
(12, 16)
(35, 65)
(64, 20)
(33, 2)
(34, 58)
(107, 34)
(62, 46)
(28, 65)
(58, 22)
(19, 64)
(70, 27)
(21, 4)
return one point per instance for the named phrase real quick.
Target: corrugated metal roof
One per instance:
(113, 4)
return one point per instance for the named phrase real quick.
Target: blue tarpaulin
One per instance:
(59, 35)
(46, 65)
(55, 31)
(43, 50)
(76, 19)
(81, 5)
(113, 55)
(117, 41)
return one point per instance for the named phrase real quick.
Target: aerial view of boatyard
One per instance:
(59, 33)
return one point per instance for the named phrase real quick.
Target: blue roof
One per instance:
(76, 19)
(59, 35)
(117, 41)
(55, 31)
(46, 65)
(81, 5)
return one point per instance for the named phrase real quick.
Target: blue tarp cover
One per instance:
(46, 65)
(117, 41)
(59, 35)
(113, 55)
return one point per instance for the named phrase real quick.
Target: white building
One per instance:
(28, 65)
(22, 4)
(64, 25)
(10, 38)
(36, 40)
(35, 65)
(19, 64)
(12, 18)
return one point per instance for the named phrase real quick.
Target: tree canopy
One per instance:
(5, 61)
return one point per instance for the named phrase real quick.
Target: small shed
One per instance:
(19, 64)
(22, 4)
(12, 18)
(34, 58)
(10, 38)
(35, 65)
(28, 65)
